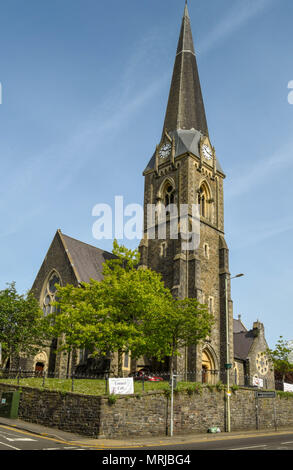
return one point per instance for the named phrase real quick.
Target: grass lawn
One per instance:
(83, 386)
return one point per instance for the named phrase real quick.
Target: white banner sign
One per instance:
(288, 387)
(256, 382)
(121, 386)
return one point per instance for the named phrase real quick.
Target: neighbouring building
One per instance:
(251, 362)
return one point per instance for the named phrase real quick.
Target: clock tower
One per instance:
(185, 171)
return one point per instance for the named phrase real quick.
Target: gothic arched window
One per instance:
(49, 295)
(168, 194)
(204, 201)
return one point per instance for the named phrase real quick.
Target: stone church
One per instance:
(184, 169)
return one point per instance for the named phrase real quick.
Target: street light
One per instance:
(228, 364)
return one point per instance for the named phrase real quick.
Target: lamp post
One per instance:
(228, 364)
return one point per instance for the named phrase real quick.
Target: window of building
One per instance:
(236, 374)
(163, 249)
(168, 193)
(211, 304)
(49, 295)
(204, 201)
(206, 250)
(126, 360)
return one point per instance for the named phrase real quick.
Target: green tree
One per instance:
(22, 325)
(181, 324)
(280, 357)
(106, 317)
(129, 310)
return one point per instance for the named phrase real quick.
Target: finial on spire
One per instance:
(186, 13)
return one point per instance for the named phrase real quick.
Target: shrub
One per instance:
(112, 399)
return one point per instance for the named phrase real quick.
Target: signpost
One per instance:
(266, 394)
(173, 385)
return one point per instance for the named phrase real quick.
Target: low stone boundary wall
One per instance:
(148, 414)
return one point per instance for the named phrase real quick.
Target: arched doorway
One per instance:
(39, 368)
(40, 363)
(208, 367)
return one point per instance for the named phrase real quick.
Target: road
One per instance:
(14, 439)
(268, 442)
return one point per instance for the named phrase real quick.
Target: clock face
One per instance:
(262, 363)
(165, 150)
(207, 152)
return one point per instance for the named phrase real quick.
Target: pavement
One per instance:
(133, 442)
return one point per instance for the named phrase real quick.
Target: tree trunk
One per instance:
(120, 372)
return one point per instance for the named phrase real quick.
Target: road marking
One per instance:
(51, 448)
(92, 446)
(19, 439)
(282, 443)
(6, 433)
(71, 448)
(251, 447)
(7, 445)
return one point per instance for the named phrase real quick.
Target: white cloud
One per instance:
(257, 235)
(260, 172)
(241, 12)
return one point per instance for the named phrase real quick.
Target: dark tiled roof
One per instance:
(87, 259)
(238, 326)
(185, 141)
(185, 109)
(242, 344)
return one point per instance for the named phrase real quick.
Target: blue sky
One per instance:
(85, 87)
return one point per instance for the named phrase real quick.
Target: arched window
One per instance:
(206, 250)
(168, 194)
(49, 295)
(236, 374)
(163, 249)
(204, 201)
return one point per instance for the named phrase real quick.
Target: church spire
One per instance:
(185, 109)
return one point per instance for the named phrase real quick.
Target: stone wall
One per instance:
(149, 414)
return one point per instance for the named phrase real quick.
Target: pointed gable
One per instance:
(87, 260)
(73, 260)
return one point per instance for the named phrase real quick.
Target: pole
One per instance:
(172, 404)
(227, 357)
(257, 411)
(275, 414)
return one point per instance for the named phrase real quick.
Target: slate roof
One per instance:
(185, 141)
(238, 326)
(87, 259)
(185, 109)
(242, 344)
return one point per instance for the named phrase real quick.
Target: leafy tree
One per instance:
(106, 317)
(22, 325)
(280, 357)
(129, 310)
(181, 324)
